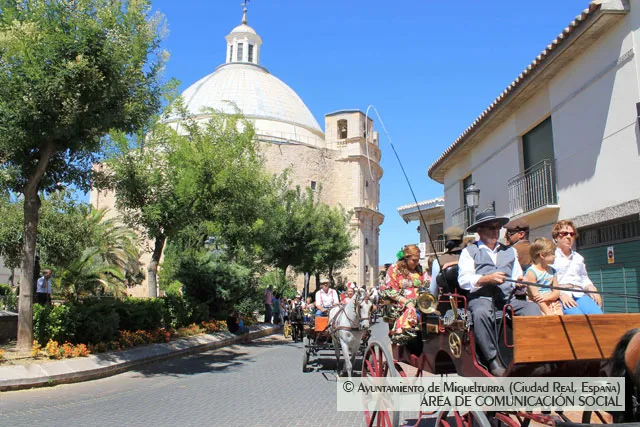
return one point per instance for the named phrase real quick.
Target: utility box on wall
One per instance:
(8, 325)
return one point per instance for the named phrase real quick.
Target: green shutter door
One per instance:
(621, 277)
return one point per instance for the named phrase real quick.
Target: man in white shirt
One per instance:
(43, 288)
(483, 268)
(325, 298)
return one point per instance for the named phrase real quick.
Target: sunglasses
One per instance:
(567, 233)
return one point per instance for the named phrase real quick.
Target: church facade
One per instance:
(343, 160)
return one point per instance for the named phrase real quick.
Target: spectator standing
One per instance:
(268, 297)
(43, 288)
(275, 307)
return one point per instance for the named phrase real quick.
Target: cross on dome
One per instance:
(244, 12)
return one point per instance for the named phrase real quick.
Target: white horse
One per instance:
(348, 323)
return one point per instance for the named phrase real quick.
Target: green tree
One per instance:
(302, 233)
(70, 72)
(205, 173)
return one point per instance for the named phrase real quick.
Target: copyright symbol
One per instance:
(347, 386)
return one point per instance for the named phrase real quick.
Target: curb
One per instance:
(17, 377)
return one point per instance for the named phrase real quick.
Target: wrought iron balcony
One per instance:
(533, 189)
(427, 249)
(462, 217)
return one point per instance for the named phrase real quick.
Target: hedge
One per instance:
(98, 320)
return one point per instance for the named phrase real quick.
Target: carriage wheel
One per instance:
(500, 419)
(455, 418)
(377, 362)
(594, 417)
(305, 360)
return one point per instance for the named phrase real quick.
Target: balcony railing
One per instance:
(461, 217)
(533, 188)
(427, 249)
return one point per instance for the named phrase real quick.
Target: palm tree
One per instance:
(116, 243)
(90, 272)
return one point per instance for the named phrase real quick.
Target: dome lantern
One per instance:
(243, 43)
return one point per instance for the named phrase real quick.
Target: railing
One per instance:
(275, 137)
(438, 247)
(533, 188)
(461, 217)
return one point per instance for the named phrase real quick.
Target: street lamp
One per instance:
(472, 197)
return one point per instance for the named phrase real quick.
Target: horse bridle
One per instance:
(356, 308)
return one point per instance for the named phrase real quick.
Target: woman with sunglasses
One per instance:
(572, 273)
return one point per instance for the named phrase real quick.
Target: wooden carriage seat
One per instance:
(321, 323)
(564, 338)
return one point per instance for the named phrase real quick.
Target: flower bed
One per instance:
(124, 340)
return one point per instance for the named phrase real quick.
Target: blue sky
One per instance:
(429, 67)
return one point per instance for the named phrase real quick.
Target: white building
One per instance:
(562, 142)
(430, 217)
(344, 159)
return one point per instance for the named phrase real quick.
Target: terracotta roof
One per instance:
(533, 66)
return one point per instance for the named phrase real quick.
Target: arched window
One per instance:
(342, 129)
(240, 52)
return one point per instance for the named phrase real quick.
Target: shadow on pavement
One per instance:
(216, 360)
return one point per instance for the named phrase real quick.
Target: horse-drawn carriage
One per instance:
(345, 331)
(530, 346)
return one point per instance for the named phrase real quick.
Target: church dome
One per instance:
(257, 93)
(243, 84)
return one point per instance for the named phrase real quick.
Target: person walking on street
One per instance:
(267, 304)
(43, 288)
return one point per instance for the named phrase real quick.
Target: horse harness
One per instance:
(334, 328)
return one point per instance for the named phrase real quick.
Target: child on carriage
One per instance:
(350, 292)
(542, 253)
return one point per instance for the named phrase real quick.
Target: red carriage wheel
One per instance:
(457, 419)
(378, 363)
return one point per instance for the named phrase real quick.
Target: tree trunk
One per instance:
(152, 277)
(317, 282)
(25, 306)
(331, 276)
(27, 281)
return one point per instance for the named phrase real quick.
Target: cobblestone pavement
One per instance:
(255, 384)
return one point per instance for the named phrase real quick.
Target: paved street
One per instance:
(256, 384)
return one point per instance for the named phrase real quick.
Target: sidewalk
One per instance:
(15, 377)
